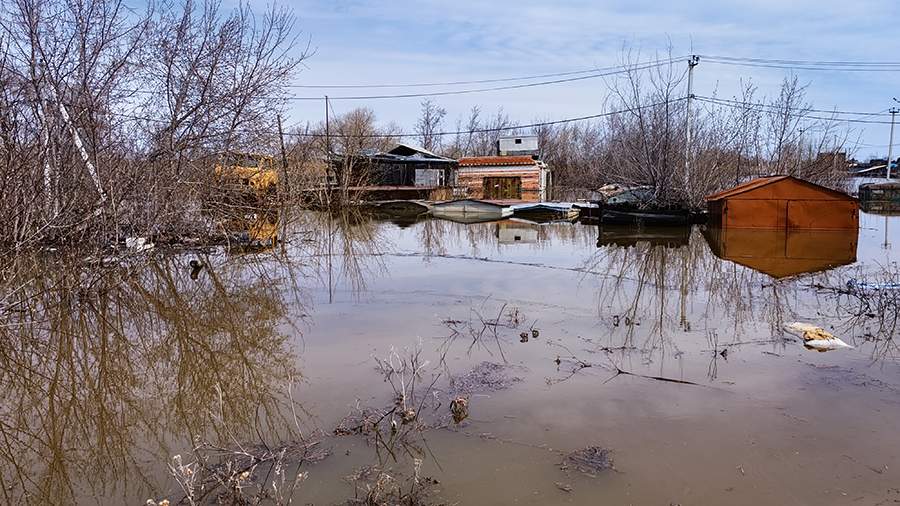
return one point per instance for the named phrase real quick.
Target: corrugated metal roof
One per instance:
(745, 187)
(496, 161)
(765, 181)
(410, 151)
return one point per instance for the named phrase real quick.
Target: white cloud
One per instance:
(429, 40)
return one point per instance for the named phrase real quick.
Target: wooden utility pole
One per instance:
(693, 61)
(327, 129)
(893, 112)
(284, 160)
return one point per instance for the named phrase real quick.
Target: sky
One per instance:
(375, 42)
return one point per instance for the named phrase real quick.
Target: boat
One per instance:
(470, 211)
(545, 212)
(634, 205)
(402, 208)
(625, 215)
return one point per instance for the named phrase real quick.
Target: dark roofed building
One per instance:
(403, 172)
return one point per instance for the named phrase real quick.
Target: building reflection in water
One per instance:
(784, 253)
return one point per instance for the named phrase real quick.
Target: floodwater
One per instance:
(664, 347)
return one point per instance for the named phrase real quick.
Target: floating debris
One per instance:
(591, 460)
(138, 243)
(863, 285)
(485, 377)
(361, 421)
(815, 338)
(565, 487)
(196, 267)
(459, 408)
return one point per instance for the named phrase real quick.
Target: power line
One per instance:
(802, 62)
(776, 107)
(815, 68)
(503, 129)
(477, 81)
(482, 90)
(738, 105)
(455, 132)
(619, 70)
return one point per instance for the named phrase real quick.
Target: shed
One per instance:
(505, 178)
(880, 198)
(404, 172)
(783, 202)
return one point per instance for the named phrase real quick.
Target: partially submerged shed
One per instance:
(404, 172)
(505, 178)
(880, 198)
(783, 202)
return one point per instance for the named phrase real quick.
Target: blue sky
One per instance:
(367, 42)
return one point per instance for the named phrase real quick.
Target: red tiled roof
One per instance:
(482, 161)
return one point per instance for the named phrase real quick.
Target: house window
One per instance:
(518, 141)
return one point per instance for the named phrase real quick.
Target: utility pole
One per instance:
(327, 128)
(893, 112)
(284, 160)
(328, 167)
(693, 61)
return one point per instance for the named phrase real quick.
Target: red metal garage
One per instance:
(783, 202)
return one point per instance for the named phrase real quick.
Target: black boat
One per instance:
(626, 216)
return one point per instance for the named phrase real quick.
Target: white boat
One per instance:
(470, 211)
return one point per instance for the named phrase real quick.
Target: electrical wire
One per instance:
(482, 90)
(478, 81)
(805, 65)
(438, 134)
(761, 106)
(775, 107)
(619, 70)
(801, 62)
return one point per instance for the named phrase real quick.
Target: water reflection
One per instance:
(514, 231)
(629, 236)
(108, 372)
(784, 253)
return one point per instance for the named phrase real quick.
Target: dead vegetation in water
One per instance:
(870, 302)
(489, 333)
(397, 433)
(377, 486)
(590, 460)
(244, 475)
(485, 377)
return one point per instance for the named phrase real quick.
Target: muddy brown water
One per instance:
(107, 374)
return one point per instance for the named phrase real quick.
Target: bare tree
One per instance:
(111, 120)
(429, 124)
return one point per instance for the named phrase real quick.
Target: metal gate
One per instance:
(503, 188)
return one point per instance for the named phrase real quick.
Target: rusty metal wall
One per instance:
(787, 204)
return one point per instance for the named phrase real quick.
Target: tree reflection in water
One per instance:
(109, 371)
(105, 370)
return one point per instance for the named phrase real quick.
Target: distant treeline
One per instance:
(112, 121)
